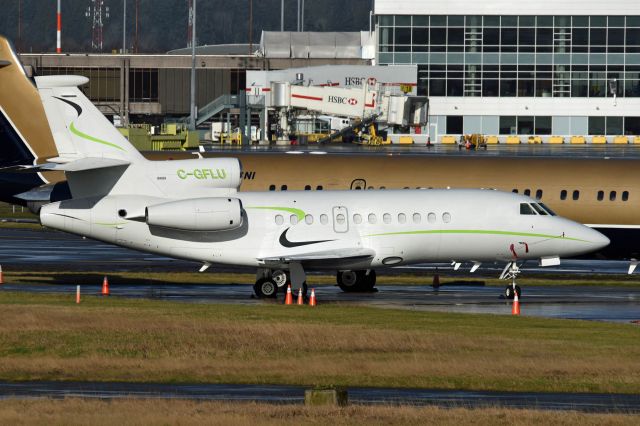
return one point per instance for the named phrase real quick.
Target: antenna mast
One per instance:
(98, 13)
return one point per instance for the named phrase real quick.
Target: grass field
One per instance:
(46, 337)
(9, 210)
(119, 412)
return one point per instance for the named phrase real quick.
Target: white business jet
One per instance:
(191, 209)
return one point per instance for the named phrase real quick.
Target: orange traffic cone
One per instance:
(312, 300)
(300, 300)
(436, 281)
(515, 309)
(78, 294)
(288, 300)
(105, 287)
(1, 278)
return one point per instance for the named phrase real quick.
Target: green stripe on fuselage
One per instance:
(477, 231)
(299, 213)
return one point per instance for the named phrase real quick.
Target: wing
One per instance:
(339, 258)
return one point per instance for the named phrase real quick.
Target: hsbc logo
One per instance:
(342, 100)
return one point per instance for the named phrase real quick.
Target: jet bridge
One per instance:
(365, 104)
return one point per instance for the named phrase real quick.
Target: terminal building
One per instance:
(546, 70)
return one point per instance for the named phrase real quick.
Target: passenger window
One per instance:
(563, 194)
(357, 219)
(340, 219)
(600, 195)
(293, 219)
(612, 195)
(446, 217)
(527, 192)
(307, 187)
(526, 209)
(547, 209)
(431, 217)
(319, 188)
(324, 219)
(416, 218)
(279, 219)
(386, 218)
(283, 188)
(372, 218)
(402, 218)
(272, 187)
(308, 219)
(539, 194)
(625, 195)
(576, 195)
(539, 210)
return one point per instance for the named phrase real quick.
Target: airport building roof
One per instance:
(507, 7)
(317, 45)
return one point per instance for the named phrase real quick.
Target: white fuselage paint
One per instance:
(484, 225)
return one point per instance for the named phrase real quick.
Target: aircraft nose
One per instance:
(598, 239)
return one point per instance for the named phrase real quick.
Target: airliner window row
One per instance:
(285, 187)
(575, 194)
(371, 218)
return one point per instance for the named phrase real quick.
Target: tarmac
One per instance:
(629, 151)
(602, 403)
(30, 250)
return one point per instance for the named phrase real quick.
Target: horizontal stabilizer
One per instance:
(59, 164)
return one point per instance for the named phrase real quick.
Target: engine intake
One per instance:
(197, 214)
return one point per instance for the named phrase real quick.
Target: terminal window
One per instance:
(523, 56)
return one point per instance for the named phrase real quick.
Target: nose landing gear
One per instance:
(511, 272)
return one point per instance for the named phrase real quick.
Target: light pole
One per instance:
(124, 26)
(192, 117)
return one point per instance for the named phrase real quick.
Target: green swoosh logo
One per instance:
(91, 138)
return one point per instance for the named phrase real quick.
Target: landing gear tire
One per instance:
(281, 278)
(349, 281)
(370, 281)
(508, 291)
(265, 288)
(356, 281)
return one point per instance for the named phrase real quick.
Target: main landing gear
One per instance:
(269, 282)
(357, 281)
(510, 272)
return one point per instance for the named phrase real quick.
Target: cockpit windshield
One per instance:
(525, 208)
(539, 209)
(547, 209)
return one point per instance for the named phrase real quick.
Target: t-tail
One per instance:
(99, 161)
(25, 137)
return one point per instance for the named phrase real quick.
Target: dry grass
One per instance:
(134, 412)
(49, 338)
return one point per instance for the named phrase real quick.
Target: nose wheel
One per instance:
(511, 272)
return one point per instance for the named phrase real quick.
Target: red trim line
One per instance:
(311, 98)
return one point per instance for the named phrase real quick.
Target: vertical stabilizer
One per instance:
(80, 130)
(25, 137)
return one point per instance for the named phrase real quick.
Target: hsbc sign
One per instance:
(342, 100)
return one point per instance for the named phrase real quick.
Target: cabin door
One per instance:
(340, 219)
